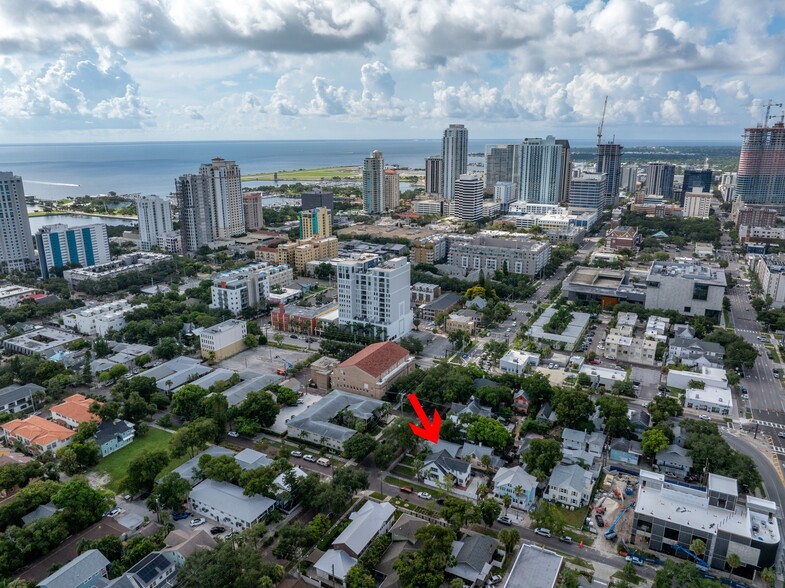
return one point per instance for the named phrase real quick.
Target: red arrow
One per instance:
(430, 430)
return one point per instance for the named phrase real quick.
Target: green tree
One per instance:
(490, 510)
(624, 388)
(101, 348)
(286, 396)
(509, 538)
(187, 401)
(733, 562)
(250, 340)
(489, 431)
(223, 468)
(459, 512)
(144, 469)
(82, 505)
(167, 349)
(216, 408)
(360, 577)
(192, 438)
(662, 408)
(542, 456)
(110, 546)
(229, 564)
(550, 516)
(769, 576)
(261, 407)
(142, 360)
(574, 409)
(698, 547)
(424, 568)
(170, 492)
(358, 446)
(654, 441)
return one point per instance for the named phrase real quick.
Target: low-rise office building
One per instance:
(463, 320)
(569, 337)
(307, 320)
(12, 295)
(709, 399)
(709, 376)
(606, 286)
(690, 288)
(100, 319)
(669, 514)
(516, 362)
(623, 237)
(223, 340)
(443, 304)
(44, 341)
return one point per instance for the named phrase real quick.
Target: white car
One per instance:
(424, 495)
(745, 396)
(233, 434)
(705, 417)
(309, 457)
(296, 453)
(197, 522)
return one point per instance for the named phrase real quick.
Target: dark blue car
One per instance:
(179, 516)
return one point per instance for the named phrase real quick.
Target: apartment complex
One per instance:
(431, 249)
(609, 163)
(770, 270)
(210, 204)
(378, 293)
(434, 171)
(16, 244)
(519, 256)
(254, 213)
(761, 176)
(468, 198)
(373, 183)
(542, 171)
(99, 320)
(155, 220)
(659, 179)
(129, 262)
(300, 253)
(622, 344)
(392, 189)
(502, 164)
(223, 340)
(316, 199)
(754, 216)
(316, 222)
(248, 286)
(455, 158)
(59, 245)
(10, 296)
(691, 288)
(697, 204)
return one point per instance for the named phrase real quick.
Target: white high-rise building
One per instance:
(541, 174)
(468, 197)
(378, 293)
(248, 286)
(697, 204)
(589, 190)
(373, 183)
(455, 157)
(16, 242)
(504, 194)
(155, 219)
(210, 203)
(60, 245)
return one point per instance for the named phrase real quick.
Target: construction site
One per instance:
(615, 503)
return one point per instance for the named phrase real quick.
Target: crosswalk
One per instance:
(768, 424)
(778, 449)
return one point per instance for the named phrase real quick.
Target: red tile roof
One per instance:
(37, 431)
(76, 407)
(377, 358)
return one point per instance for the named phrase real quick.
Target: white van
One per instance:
(323, 461)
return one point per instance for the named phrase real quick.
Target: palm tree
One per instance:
(417, 465)
(507, 500)
(485, 460)
(482, 490)
(733, 561)
(698, 547)
(768, 576)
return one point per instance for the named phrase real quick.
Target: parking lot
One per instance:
(262, 359)
(289, 412)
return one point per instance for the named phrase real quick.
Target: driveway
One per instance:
(289, 412)
(649, 379)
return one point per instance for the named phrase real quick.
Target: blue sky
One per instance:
(109, 70)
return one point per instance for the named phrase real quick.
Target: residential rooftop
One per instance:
(534, 567)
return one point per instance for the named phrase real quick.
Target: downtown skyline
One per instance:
(154, 70)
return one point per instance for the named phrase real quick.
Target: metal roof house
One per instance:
(227, 504)
(87, 570)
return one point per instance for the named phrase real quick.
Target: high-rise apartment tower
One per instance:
(455, 157)
(373, 183)
(16, 242)
(155, 219)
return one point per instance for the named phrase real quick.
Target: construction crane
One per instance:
(611, 533)
(602, 122)
(768, 112)
(701, 564)
(289, 365)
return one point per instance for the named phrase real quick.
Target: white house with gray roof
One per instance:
(474, 559)
(674, 461)
(570, 485)
(438, 466)
(372, 520)
(317, 423)
(87, 570)
(226, 503)
(694, 352)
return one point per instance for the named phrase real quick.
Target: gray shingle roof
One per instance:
(571, 476)
(230, 499)
(77, 571)
(477, 550)
(446, 463)
(16, 392)
(366, 524)
(186, 470)
(107, 430)
(315, 419)
(705, 346)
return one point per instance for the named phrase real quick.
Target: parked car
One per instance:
(745, 396)
(440, 500)
(114, 512)
(600, 520)
(217, 530)
(781, 434)
(233, 434)
(179, 516)
(296, 453)
(406, 489)
(566, 539)
(705, 417)
(543, 532)
(197, 522)
(493, 580)
(424, 495)
(635, 559)
(309, 457)
(323, 461)
(505, 520)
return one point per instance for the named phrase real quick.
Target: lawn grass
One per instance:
(397, 482)
(115, 465)
(574, 518)
(317, 173)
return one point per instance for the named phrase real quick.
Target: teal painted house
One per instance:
(114, 435)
